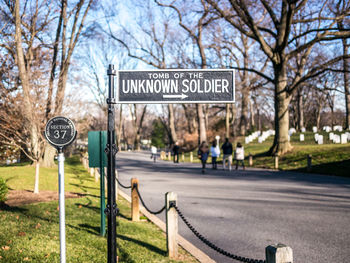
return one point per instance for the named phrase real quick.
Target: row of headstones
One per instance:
(335, 138)
(252, 137)
(329, 128)
(261, 136)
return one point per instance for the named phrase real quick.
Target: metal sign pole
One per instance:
(111, 150)
(61, 205)
(102, 190)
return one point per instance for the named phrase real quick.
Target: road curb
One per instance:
(184, 243)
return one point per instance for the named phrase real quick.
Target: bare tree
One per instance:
(270, 25)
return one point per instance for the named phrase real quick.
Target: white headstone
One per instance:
(316, 137)
(246, 140)
(302, 137)
(303, 129)
(314, 129)
(336, 138)
(344, 138)
(260, 139)
(331, 136)
(320, 139)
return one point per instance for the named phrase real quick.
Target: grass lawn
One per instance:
(30, 233)
(329, 158)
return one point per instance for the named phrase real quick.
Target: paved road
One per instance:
(244, 211)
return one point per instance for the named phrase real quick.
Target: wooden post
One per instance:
(191, 157)
(250, 159)
(183, 157)
(276, 161)
(171, 225)
(279, 254)
(135, 211)
(309, 162)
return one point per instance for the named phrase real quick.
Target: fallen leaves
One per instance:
(38, 226)
(5, 248)
(21, 234)
(26, 259)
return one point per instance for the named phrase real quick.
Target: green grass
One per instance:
(30, 233)
(329, 158)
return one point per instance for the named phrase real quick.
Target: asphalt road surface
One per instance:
(244, 211)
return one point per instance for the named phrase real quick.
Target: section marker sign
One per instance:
(176, 86)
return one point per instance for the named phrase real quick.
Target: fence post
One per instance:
(183, 157)
(250, 159)
(171, 225)
(276, 161)
(279, 254)
(97, 174)
(191, 157)
(135, 211)
(309, 162)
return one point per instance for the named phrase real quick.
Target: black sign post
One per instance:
(60, 132)
(111, 150)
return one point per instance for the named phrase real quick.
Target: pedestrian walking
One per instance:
(227, 152)
(203, 153)
(239, 155)
(215, 153)
(154, 153)
(176, 151)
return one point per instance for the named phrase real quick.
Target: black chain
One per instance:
(213, 246)
(144, 205)
(126, 187)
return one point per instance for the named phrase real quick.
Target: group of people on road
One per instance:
(227, 149)
(214, 151)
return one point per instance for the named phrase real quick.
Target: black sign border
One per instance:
(177, 101)
(60, 146)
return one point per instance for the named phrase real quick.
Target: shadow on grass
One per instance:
(143, 244)
(13, 209)
(340, 168)
(90, 228)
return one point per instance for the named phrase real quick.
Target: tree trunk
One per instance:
(346, 85)
(172, 123)
(318, 115)
(252, 115)
(300, 109)
(36, 182)
(243, 123)
(233, 119)
(202, 134)
(281, 144)
(49, 155)
(227, 121)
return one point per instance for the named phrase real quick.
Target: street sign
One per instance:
(176, 86)
(97, 141)
(60, 131)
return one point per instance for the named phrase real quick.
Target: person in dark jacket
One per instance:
(227, 154)
(176, 151)
(203, 153)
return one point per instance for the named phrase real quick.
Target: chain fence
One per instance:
(144, 205)
(193, 230)
(123, 186)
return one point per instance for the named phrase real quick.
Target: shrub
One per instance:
(3, 190)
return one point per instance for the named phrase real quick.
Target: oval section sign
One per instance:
(60, 131)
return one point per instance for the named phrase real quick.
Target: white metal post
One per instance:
(62, 207)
